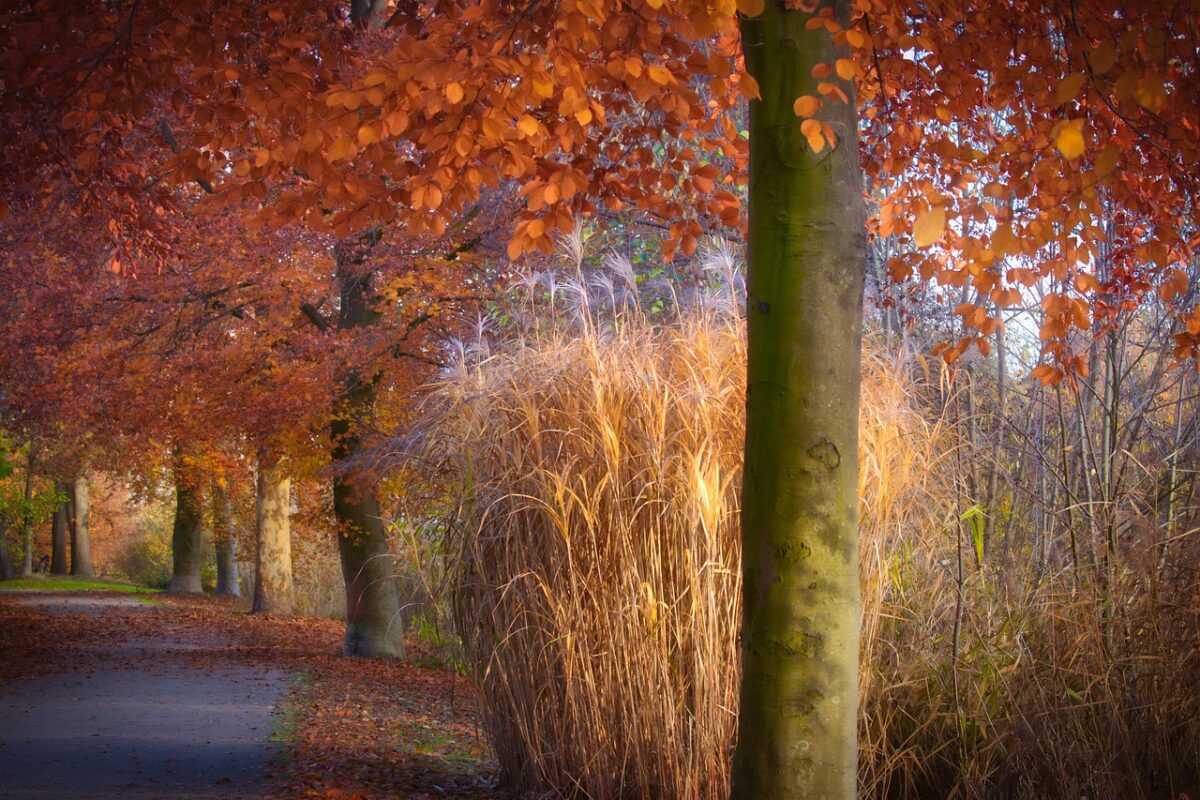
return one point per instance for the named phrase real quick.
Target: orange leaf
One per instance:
(806, 105)
(930, 226)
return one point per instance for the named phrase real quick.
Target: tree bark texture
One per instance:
(373, 623)
(81, 546)
(807, 262)
(60, 532)
(186, 550)
(225, 542)
(273, 543)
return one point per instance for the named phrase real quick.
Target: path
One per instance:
(136, 717)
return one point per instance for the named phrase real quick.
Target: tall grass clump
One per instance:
(598, 575)
(592, 464)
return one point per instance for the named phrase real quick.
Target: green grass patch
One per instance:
(285, 724)
(73, 585)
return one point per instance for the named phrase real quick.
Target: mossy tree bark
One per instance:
(273, 542)
(225, 543)
(373, 623)
(186, 548)
(81, 545)
(60, 531)
(807, 260)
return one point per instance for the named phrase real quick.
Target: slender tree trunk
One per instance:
(807, 260)
(225, 541)
(186, 549)
(273, 542)
(60, 532)
(81, 546)
(27, 515)
(6, 564)
(373, 623)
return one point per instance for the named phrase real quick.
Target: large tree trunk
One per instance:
(27, 515)
(186, 549)
(81, 546)
(60, 532)
(273, 542)
(225, 541)
(807, 260)
(373, 624)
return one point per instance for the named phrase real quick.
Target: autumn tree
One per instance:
(1009, 147)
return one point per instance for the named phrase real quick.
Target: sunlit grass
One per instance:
(54, 584)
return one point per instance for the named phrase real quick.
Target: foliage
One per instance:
(145, 557)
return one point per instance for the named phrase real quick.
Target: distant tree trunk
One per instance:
(27, 515)
(60, 532)
(373, 623)
(273, 543)
(6, 565)
(807, 260)
(81, 547)
(186, 549)
(225, 540)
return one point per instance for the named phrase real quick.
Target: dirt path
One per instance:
(136, 718)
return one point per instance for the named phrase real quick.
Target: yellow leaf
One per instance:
(855, 38)
(655, 4)
(845, 69)
(751, 8)
(454, 92)
(1069, 139)
(527, 125)
(930, 227)
(261, 156)
(584, 116)
(543, 87)
(1103, 58)
(806, 105)
(1068, 90)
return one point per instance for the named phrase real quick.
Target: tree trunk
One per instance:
(81, 546)
(6, 565)
(273, 543)
(807, 261)
(225, 541)
(373, 624)
(27, 515)
(186, 549)
(60, 533)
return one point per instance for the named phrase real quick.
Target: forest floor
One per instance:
(106, 695)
